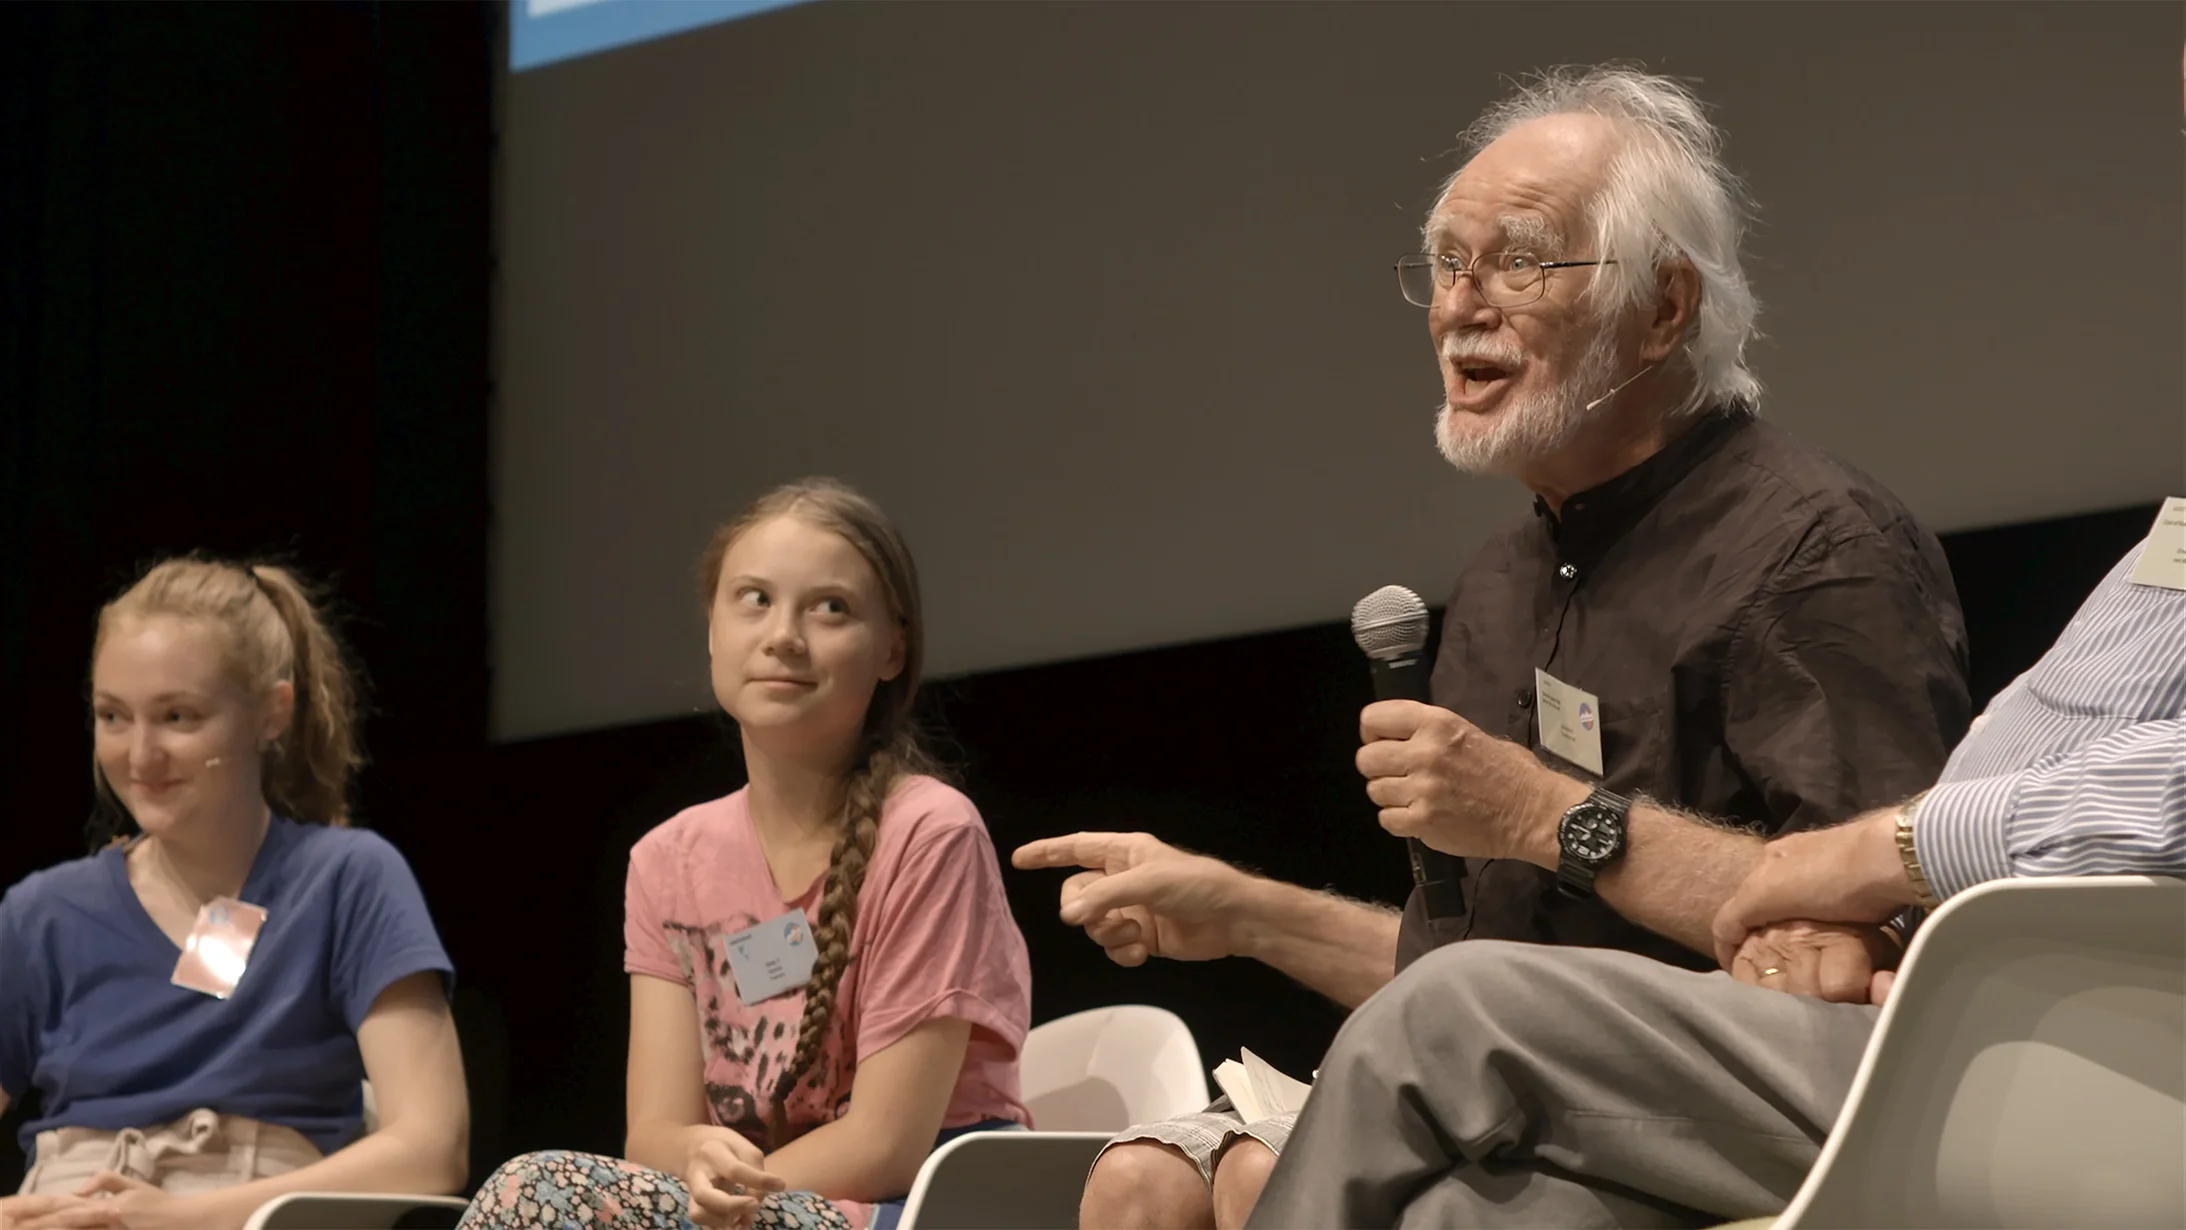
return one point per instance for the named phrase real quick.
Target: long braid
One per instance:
(867, 791)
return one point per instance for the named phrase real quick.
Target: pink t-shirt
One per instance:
(933, 938)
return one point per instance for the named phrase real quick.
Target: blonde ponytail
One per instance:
(309, 768)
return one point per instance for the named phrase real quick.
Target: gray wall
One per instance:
(1095, 298)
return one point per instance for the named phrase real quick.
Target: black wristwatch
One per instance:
(1592, 837)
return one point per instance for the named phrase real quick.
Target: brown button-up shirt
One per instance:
(1773, 638)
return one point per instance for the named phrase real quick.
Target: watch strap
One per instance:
(1575, 877)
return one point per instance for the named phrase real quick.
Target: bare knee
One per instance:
(1145, 1185)
(1238, 1179)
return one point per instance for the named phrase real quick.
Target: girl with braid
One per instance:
(760, 1094)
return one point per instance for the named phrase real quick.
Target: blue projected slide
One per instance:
(544, 31)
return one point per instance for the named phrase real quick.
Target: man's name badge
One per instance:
(773, 957)
(2163, 560)
(218, 948)
(1571, 721)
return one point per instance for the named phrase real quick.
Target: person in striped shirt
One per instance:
(2078, 768)
(1507, 1084)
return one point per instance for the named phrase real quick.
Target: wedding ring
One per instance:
(1771, 972)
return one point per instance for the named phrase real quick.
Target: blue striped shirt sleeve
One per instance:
(2079, 767)
(2115, 806)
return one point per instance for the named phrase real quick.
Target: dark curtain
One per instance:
(245, 255)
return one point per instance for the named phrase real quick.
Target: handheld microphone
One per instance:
(1390, 624)
(1619, 389)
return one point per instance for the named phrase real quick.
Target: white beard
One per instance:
(1531, 426)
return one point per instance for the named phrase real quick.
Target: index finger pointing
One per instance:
(1072, 850)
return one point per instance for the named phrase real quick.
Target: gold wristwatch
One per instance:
(1910, 856)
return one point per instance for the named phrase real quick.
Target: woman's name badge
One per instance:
(773, 957)
(218, 950)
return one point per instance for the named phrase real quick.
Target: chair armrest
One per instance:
(355, 1211)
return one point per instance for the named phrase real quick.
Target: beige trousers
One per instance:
(199, 1152)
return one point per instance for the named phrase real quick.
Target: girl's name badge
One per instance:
(773, 957)
(218, 950)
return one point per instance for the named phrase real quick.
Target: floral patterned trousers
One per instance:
(558, 1190)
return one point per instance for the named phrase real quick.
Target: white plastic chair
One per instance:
(1104, 1069)
(352, 1210)
(2029, 1069)
(1085, 1077)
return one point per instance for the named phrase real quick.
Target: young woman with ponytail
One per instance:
(224, 740)
(803, 1103)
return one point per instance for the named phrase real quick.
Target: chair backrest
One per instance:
(2029, 1069)
(1003, 1181)
(1105, 1069)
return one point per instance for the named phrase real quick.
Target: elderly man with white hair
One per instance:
(1701, 611)
(1513, 1085)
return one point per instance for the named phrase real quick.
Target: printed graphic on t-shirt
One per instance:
(747, 1047)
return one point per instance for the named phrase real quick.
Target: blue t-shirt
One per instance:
(89, 1018)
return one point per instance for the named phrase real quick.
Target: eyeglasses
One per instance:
(1505, 279)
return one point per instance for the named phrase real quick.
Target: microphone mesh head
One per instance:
(1389, 623)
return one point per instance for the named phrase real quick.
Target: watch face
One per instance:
(1592, 833)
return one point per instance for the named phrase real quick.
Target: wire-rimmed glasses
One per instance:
(1505, 279)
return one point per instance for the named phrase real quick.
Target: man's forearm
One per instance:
(1677, 869)
(1677, 872)
(1344, 949)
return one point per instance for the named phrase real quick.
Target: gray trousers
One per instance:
(1500, 1084)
